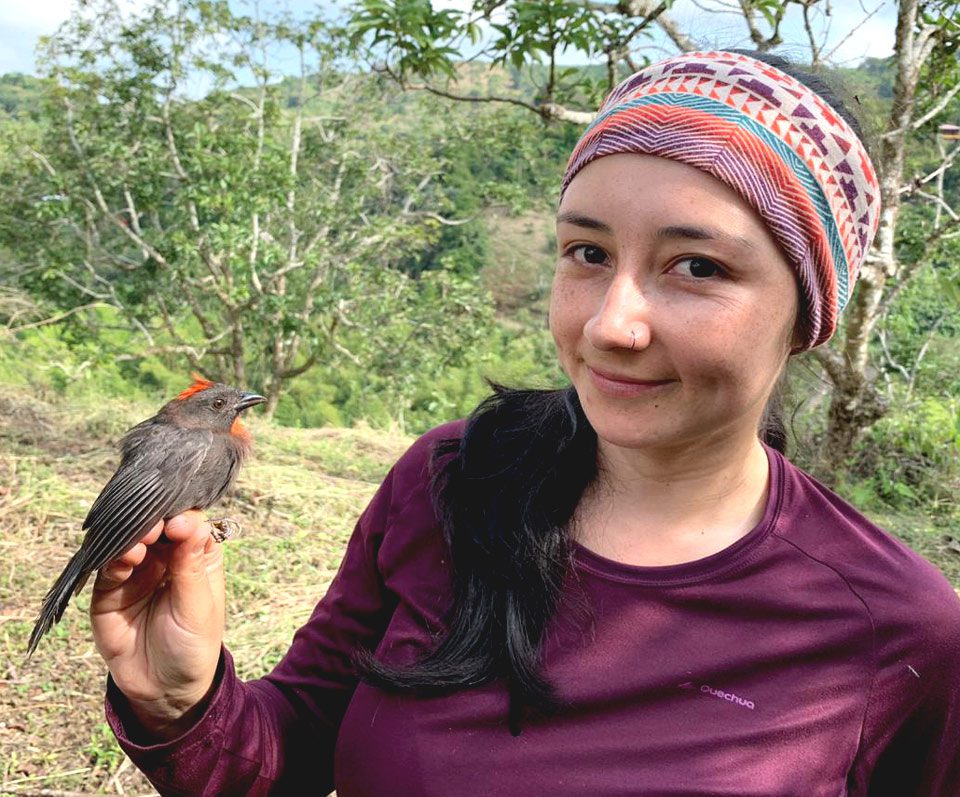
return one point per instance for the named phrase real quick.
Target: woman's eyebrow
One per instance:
(572, 217)
(703, 234)
(673, 231)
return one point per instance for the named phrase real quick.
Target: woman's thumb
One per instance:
(191, 594)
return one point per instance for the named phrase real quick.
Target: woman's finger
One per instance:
(117, 586)
(112, 575)
(182, 527)
(154, 534)
(134, 556)
(213, 561)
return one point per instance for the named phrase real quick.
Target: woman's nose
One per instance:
(623, 319)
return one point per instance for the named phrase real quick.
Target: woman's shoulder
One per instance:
(897, 585)
(414, 468)
(403, 507)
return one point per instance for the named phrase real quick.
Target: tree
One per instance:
(240, 226)
(419, 47)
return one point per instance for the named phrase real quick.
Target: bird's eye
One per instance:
(218, 404)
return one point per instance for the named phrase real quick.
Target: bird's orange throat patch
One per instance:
(199, 384)
(241, 434)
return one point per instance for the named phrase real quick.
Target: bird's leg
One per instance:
(224, 528)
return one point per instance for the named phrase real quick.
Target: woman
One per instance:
(615, 588)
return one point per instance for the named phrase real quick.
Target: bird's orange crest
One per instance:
(199, 384)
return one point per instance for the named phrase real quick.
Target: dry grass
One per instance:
(522, 259)
(297, 501)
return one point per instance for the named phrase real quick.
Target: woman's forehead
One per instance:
(626, 193)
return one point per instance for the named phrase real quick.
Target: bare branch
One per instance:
(620, 48)
(57, 318)
(665, 21)
(882, 337)
(762, 42)
(815, 48)
(412, 195)
(832, 362)
(292, 230)
(248, 102)
(43, 160)
(936, 109)
(724, 8)
(311, 361)
(829, 56)
(948, 161)
(552, 110)
(909, 271)
(254, 249)
(101, 297)
(135, 220)
(922, 352)
(98, 194)
(938, 201)
(406, 85)
(437, 217)
(346, 352)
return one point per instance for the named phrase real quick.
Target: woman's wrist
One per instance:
(171, 716)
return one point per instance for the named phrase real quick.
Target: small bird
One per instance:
(184, 457)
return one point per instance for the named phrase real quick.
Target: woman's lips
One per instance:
(624, 386)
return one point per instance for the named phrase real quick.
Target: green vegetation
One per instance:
(366, 256)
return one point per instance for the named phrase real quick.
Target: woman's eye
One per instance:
(592, 255)
(698, 267)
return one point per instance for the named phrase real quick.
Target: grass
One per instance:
(297, 500)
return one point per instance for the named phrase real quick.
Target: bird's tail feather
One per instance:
(73, 577)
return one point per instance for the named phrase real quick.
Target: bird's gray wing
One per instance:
(145, 489)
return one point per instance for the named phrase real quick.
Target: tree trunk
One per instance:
(856, 402)
(273, 398)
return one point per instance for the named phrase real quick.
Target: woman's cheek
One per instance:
(562, 308)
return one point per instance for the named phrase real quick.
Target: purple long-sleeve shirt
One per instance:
(817, 655)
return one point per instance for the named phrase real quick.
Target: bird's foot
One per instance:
(224, 528)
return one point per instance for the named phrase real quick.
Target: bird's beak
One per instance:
(248, 400)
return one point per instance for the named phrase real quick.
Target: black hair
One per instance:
(505, 493)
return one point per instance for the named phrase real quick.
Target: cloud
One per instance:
(35, 18)
(22, 24)
(726, 28)
(873, 37)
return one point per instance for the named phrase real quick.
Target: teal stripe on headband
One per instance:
(812, 186)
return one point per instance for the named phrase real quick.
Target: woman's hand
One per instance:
(158, 617)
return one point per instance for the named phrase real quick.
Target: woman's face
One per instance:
(672, 306)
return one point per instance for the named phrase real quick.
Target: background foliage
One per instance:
(365, 252)
(347, 214)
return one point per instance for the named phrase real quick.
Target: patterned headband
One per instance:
(775, 142)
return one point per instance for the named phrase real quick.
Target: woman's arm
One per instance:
(252, 738)
(911, 740)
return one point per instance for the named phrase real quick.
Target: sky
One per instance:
(21, 23)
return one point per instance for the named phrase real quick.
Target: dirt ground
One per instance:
(297, 502)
